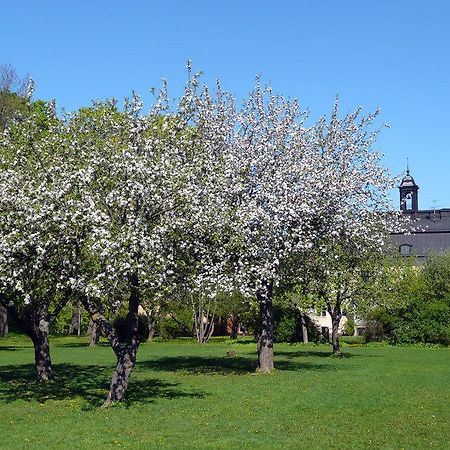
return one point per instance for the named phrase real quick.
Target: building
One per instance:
(429, 232)
(429, 228)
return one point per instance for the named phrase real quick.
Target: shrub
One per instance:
(349, 327)
(421, 320)
(171, 328)
(287, 326)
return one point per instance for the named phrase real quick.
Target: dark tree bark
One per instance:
(334, 336)
(3, 321)
(153, 319)
(34, 320)
(40, 337)
(266, 329)
(336, 315)
(304, 328)
(125, 353)
(94, 332)
(121, 377)
(126, 358)
(235, 327)
(75, 323)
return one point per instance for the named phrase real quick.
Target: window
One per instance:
(405, 249)
(408, 199)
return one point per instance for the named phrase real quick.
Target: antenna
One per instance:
(436, 207)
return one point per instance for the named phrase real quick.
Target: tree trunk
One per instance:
(94, 333)
(335, 320)
(235, 327)
(153, 319)
(40, 337)
(34, 320)
(266, 329)
(3, 321)
(75, 323)
(204, 314)
(125, 353)
(122, 374)
(304, 328)
(126, 358)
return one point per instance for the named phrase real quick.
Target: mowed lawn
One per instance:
(186, 395)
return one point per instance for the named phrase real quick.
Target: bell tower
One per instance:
(409, 200)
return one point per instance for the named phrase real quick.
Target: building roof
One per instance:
(408, 181)
(428, 231)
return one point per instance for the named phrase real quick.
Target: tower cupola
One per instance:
(409, 200)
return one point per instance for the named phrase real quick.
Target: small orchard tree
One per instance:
(353, 217)
(38, 226)
(275, 203)
(147, 180)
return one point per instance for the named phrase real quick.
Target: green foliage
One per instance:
(352, 340)
(61, 325)
(234, 305)
(287, 325)
(349, 327)
(12, 106)
(178, 323)
(170, 328)
(416, 305)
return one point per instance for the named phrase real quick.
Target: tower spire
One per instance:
(407, 166)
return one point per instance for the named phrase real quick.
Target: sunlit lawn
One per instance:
(186, 395)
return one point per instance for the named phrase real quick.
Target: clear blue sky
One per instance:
(389, 53)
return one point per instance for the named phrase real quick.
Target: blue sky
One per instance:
(389, 53)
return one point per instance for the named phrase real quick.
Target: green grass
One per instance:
(186, 395)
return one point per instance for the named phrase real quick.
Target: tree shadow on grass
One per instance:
(324, 354)
(313, 353)
(238, 365)
(81, 344)
(91, 383)
(9, 348)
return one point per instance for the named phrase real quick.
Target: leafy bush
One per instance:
(288, 326)
(349, 327)
(421, 312)
(172, 328)
(177, 322)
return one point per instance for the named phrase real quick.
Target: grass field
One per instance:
(186, 395)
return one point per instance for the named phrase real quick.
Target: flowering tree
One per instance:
(203, 197)
(263, 185)
(276, 201)
(148, 183)
(302, 200)
(38, 226)
(353, 217)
